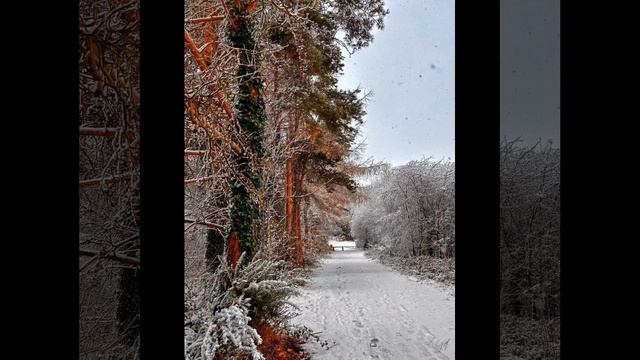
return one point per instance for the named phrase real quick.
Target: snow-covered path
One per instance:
(353, 300)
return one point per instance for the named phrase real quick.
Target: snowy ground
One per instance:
(365, 310)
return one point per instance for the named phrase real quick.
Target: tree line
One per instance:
(409, 210)
(530, 249)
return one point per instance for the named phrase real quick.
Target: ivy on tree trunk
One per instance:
(250, 116)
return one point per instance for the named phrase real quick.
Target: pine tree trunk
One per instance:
(250, 116)
(289, 193)
(290, 187)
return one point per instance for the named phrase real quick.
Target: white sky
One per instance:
(409, 67)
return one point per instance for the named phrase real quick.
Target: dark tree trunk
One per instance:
(250, 116)
(215, 247)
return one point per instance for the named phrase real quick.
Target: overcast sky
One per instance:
(530, 70)
(409, 67)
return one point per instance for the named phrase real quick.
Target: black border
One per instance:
(162, 180)
(596, 297)
(477, 179)
(41, 174)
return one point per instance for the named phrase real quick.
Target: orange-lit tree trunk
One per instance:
(290, 185)
(289, 192)
(292, 208)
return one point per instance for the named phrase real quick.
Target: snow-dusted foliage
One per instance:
(524, 339)
(229, 327)
(221, 309)
(109, 179)
(530, 250)
(441, 270)
(409, 211)
(530, 230)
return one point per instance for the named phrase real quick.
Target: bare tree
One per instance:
(409, 210)
(530, 249)
(109, 179)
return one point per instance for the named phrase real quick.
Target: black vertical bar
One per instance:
(41, 187)
(599, 151)
(477, 179)
(162, 181)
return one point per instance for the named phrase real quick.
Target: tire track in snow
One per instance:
(373, 312)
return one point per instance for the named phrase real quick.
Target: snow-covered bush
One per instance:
(409, 210)
(366, 225)
(229, 328)
(222, 308)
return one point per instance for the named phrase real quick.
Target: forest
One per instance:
(270, 162)
(109, 178)
(274, 173)
(529, 250)
(406, 218)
